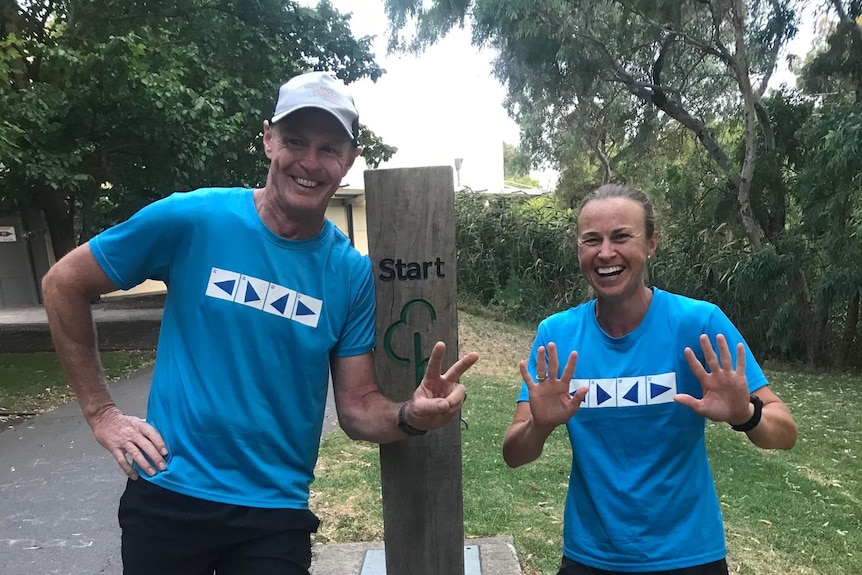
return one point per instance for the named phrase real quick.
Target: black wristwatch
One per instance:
(406, 427)
(755, 417)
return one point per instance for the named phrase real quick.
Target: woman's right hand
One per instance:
(551, 402)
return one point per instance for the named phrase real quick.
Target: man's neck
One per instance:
(280, 222)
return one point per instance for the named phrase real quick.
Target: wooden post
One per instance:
(411, 242)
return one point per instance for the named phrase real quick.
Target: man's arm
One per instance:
(68, 288)
(365, 414)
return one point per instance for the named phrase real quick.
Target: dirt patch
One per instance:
(500, 346)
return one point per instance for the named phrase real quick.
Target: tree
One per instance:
(516, 163)
(516, 167)
(566, 63)
(108, 105)
(836, 69)
(800, 295)
(830, 182)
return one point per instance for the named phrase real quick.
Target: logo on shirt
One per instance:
(627, 391)
(264, 296)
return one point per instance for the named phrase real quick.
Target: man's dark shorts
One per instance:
(173, 534)
(570, 567)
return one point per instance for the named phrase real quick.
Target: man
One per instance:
(265, 296)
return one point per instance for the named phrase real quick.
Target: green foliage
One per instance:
(792, 301)
(516, 168)
(836, 70)
(592, 84)
(647, 93)
(523, 182)
(35, 382)
(514, 254)
(151, 98)
(374, 150)
(516, 163)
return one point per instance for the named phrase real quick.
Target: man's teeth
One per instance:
(306, 183)
(610, 270)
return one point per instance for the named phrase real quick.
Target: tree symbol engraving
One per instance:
(419, 361)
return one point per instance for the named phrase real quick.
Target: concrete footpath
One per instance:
(59, 491)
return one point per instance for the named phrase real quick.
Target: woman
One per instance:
(641, 376)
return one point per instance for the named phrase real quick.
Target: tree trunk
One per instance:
(749, 100)
(850, 326)
(60, 220)
(816, 333)
(10, 24)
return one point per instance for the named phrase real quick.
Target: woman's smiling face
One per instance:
(613, 247)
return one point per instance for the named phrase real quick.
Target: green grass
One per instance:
(795, 512)
(35, 382)
(527, 502)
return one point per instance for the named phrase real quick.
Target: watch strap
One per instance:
(755, 417)
(406, 427)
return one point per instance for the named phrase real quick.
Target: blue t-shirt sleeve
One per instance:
(143, 246)
(357, 337)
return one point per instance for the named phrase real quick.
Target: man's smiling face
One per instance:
(309, 153)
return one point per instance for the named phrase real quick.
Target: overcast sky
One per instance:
(445, 104)
(435, 107)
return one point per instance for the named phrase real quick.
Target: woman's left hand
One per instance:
(725, 387)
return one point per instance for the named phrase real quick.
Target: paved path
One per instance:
(59, 490)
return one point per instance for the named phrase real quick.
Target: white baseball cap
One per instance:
(318, 90)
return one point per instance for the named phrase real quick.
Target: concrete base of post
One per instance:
(482, 556)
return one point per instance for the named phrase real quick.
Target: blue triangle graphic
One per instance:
(281, 303)
(227, 286)
(302, 309)
(655, 390)
(632, 394)
(250, 294)
(601, 395)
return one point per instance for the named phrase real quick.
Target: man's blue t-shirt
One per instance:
(641, 495)
(250, 323)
